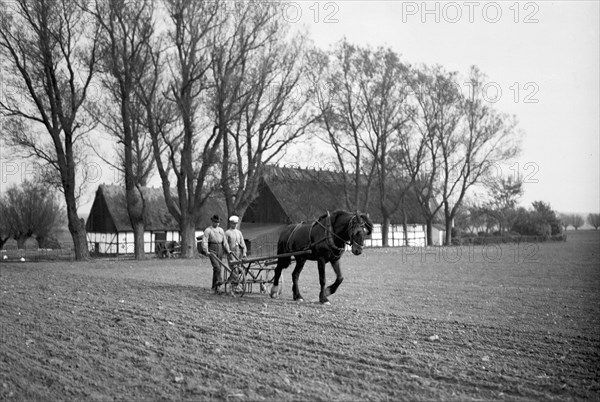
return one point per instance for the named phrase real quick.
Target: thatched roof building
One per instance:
(109, 211)
(289, 195)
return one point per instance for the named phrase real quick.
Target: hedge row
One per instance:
(476, 240)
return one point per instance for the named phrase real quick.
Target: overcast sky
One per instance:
(541, 59)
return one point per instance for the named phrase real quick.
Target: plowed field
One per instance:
(515, 322)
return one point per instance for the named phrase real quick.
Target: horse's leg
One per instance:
(322, 280)
(275, 287)
(295, 276)
(281, 264)
(338, 280)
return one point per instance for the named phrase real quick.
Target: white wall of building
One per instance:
(123, 243)
(437, 236)
(416, 236)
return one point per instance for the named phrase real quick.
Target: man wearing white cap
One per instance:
(235, 239)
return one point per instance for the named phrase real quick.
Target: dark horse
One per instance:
(326, 238)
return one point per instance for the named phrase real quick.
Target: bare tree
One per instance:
(411, 161)
(49, 50)
(467, 153)
(127, 29)
(259, 100)
(184, 145)
(335, 79)
(594, 220)
(362, 95)
(438, 114)
(577, 221)
(565, 220)
(31, 210)
(384, 93)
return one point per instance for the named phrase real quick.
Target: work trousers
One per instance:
(216, 249)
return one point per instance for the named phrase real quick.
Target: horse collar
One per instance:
(330, 234)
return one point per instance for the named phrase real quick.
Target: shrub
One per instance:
(541, 220)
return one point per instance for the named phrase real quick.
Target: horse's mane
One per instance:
(333, 214)
(366, 220)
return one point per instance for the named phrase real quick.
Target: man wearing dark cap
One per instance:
(213, 244)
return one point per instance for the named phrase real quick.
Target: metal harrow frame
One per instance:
(241, 276)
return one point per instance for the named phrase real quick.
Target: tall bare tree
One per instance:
(49, 50)
(185, 146)
(384, 97)
(438, 113)
(486, 139)
(127, 30)
(335, 77)
(362, 95)
(259, 100)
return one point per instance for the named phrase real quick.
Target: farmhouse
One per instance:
(285, 195)
(289, 195)
(109, 230)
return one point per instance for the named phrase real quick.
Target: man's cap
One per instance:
(215, 218)
(234, 219)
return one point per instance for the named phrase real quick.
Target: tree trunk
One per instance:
(385, 228)
(429, 224)
(77, 230)
(405, 226)
(225, 179)
(137, 223)
(448, 240)
(138, 241)
(135, 209)
(188, 239)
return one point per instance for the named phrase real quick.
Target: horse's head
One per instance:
(360, 226)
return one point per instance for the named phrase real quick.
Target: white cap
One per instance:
(234, 219)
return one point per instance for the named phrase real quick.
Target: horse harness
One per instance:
(337, 251)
